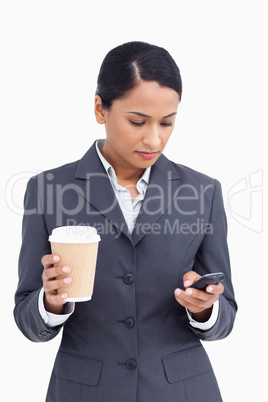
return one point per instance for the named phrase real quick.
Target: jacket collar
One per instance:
(90, 163)
(99, 192)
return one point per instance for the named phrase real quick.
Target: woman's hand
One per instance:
(52, 300)
(198, 302)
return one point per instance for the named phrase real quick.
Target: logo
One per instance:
(245, 201)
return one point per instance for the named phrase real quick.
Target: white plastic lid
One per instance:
(74, 234)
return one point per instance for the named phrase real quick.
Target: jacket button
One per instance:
(129, 322)
(128, 278)
(131, 364)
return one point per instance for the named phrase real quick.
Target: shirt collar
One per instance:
(110, 170)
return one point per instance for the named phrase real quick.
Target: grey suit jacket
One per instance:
(132, 342)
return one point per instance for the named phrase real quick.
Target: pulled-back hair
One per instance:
(130, 63)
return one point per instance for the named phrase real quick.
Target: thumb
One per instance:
(189, 278)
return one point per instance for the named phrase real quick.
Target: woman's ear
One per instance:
(99, 110)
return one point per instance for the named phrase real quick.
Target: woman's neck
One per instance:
(124, 172)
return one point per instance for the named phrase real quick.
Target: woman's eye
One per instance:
(137, 124)
(141, 123)
(166, 124)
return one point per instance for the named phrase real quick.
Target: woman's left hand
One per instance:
(198, 302)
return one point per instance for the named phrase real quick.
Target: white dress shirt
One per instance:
(130, 211)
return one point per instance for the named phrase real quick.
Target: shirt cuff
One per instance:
(53, 320)
(205, 326)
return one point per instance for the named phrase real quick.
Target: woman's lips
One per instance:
(147, 155)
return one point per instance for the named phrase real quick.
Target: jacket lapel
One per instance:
(98, 191)
(159, 196)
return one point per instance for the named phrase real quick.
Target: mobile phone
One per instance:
(208, 279)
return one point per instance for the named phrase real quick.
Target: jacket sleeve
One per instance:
(35, 244)
(213, 256)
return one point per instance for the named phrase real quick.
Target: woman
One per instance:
(162, 226)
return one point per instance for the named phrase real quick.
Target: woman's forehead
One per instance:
(147, 97)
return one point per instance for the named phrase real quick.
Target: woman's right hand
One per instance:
(53, 301)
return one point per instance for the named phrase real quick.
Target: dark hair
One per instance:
(132, 62)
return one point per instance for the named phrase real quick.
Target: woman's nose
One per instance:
(152, 138)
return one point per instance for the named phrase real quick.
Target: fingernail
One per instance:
(56, 258)
(66, 269)
(187, 283)
(210, 289)
(188, 291)
(178, 292)
(64, 295)
(67, 280)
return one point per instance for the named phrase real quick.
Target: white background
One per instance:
(50, 56)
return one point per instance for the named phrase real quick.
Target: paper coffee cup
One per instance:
(77, 247)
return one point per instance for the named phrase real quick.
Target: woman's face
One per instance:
(139, 125)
